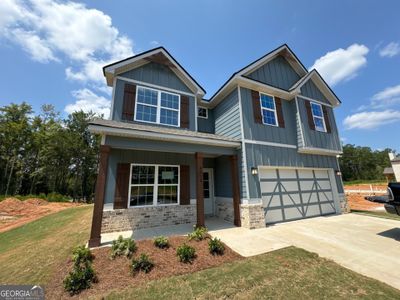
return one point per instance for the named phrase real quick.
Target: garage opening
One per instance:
(292, 194)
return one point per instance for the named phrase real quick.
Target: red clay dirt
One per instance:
(115, 274)
(356, 201)
(14, 212)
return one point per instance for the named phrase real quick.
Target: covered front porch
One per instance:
(177, 184)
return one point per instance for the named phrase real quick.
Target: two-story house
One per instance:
(262, 150)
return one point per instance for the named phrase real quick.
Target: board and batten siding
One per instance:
(278, 73)
(268, 133)
(119, 100)
(310, 90)
(317, 139)
(262, 155)
(157, 74)
(227, 116)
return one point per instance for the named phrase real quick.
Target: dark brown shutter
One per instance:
(128, 107)
(122, 186)
(326, 118)
(309, 115)
(184, 111)
(255, 96)
(184, 187)
(279, 113)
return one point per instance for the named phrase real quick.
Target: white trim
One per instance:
(270, 144)
(206, 117)
(314, 100)
(155, 185)
(195, 119)
(244, 158)
(182, 73)
(162, 136)
(155, 86)
(318, 117)
(108, 206)
(268, 109)
(103, 139)
(291, 168)
(112, 99)
(300, 121)
(158, 107)
(320, 151)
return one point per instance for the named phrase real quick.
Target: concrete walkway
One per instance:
(367, 245)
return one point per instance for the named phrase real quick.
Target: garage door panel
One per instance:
(327, 208)
(292, 213)
(268, 186)
(268, 174)
(306, 185)
(271, 201)
(306, 174)
(274, 216)
(323, 174)
(309, 198)
(289, 186)
(291, 199)
(313, 210)
(287, 174)
(326, 196)
(324, 184)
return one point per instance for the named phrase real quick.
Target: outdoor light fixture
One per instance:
(338, 173)
(254, 171)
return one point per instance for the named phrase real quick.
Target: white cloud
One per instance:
(88, 101)
(390, 50)
(154, 43)
(371, 119)
(341, 64)
(388, 97)
(49, 30)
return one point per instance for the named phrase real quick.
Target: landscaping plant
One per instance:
(198, 234)
(143, 263)
(161, 242)
(215, 246)
(82, 275)
(186, 253)
(123, 246)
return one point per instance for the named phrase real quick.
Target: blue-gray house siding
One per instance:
(206, 125)
(310, 90)
(227, 116)
(277, 73)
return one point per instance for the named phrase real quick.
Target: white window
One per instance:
(318, 116)
(153, 185)
(202, 112)
(154, 106)
(268, 110)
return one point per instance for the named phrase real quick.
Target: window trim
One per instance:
(265, 108)
(158, 107)
(155, 185)
(206, 117)
(314, 116)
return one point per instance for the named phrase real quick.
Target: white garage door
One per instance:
(291, 194)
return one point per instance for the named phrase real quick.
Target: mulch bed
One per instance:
(115, 274)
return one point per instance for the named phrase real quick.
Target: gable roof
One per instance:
(320, 83)
(159, 55)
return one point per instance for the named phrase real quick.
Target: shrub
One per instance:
(82, 275)
(55, 197)
(80, 278)
(143, 263)
(186, 253)
(198, 234)
(123, 246)
(81, 255)
(215, 246)
(161, 242)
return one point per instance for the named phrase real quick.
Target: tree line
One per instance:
(43, 153)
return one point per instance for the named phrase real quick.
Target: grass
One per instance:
(31, 253)
(289, 273)
(354, 182)
(379, 214)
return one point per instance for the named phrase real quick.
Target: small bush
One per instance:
(143, 263)
(198, 234)
(55, 197)
(215, 246)
(123, 246)
(80, 278)
(161, 242)
(82, 275)
(81, 255)
(186, 253)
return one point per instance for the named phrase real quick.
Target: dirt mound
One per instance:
(36, 201)
(11, 204)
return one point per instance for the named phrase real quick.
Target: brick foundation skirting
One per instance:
(344, 205)
(147, 217)
(252, 216)
(224, 210)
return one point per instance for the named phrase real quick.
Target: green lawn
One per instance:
(380, 182)
(289, 273)
(380, 214)
(30, 253)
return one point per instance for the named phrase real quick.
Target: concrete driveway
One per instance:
(366, 245)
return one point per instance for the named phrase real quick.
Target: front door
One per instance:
(208, 192)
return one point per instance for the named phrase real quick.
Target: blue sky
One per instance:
(52, 52)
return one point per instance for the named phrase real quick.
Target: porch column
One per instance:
(95, 232)
(199, 190)
(235, 190)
